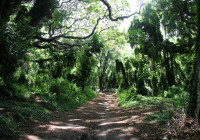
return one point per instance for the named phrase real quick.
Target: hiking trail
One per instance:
(99, 119)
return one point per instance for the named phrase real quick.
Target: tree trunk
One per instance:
(169, 74)
(126, 85)
(172, 70)
(1, 9)
(136, 77)
(194, 102)
(101, 82)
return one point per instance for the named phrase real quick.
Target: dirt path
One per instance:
(99, 119)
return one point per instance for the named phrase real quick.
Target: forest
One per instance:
(57, 56)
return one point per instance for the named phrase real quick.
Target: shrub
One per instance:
(141, 87)
(161, 117)
(65, 95)
(22, 78)
(20, 91)
(8, 127)
(55, 86)
(29, 111)
(172, 91)
(126, 95)
(89, 93)
(181, 100)
(178, 95)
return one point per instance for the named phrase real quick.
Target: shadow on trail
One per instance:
(99, 119)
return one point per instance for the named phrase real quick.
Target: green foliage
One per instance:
(59, 86)
(25, 111)
(176, 96)
(141, 87)
(65, 95)
(11, 53)
(96, 44)
(85, 64)
(20, 112)
(22, 78)
(21, 92)
(13, 50)
(161, 117)
(8, 127)
(89, 93)
(179, 96)
(38, 12)
(29, 111)
(173, 90)
(126, 95)
(62, 73)
(140, 101)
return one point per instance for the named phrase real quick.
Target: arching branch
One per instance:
(43, 60)
(58, 45)
(177, 48)
(68, 37)
(54, 39)
(118, 18)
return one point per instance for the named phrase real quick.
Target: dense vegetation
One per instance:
(62, 51)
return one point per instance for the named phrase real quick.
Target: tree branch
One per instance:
(43, 60)
(177, 48)
(118, 18)
(68, 37)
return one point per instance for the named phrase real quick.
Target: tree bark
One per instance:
(194, 102)
(168, 72)
(101, 82)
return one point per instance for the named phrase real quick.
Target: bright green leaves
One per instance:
(145, 32)
(96, 44)
(136, 36)
(93, 7)
(59, 16)
(85, 64)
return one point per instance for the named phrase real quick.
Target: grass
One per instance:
(64, 95)
(19, 112)
(161, 117)
(175, 96)
(22, 107)
(169, 104)
(25, 111)
(69, 99)
(140, 101)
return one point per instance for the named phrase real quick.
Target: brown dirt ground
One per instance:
(99, 119)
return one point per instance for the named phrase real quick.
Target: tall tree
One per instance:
(180, 19)
(194, 103)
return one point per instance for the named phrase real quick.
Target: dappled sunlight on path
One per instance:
(99, 119)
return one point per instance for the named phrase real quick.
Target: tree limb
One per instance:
(68, 37)
(43, 60)
(177, 48)
(118, 18)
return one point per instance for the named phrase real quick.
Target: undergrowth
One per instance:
(8, 127)
(15, 112)
(162, 117)
(175, 96)
(22, 107)
(128, 98)
(64, 95)
(172, 106)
